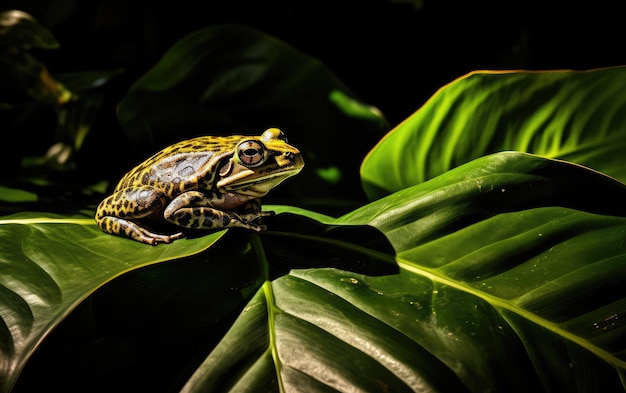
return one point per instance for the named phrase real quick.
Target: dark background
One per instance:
(394, 54)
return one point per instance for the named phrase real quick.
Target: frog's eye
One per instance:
(251, 153)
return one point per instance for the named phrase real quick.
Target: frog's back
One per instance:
(178, 167)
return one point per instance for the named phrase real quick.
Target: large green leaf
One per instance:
(499, 289)
(49, 264)
(570, 115)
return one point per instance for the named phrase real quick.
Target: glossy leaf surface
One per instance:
(466, 282)
(516, 295)
(575, 116)
(50, 265)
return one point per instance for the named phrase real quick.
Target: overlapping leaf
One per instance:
(498, 290)
(503, 283)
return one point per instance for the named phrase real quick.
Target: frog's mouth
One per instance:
(256, 183)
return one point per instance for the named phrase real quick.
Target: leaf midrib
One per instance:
(500, 303)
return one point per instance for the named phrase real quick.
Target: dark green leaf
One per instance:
(26, 81)
(236, 80)
(49, 265)
(79, 82)
(13, 195)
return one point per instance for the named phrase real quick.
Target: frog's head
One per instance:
(259, 164)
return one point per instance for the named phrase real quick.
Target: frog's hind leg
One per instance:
(131, 230)
(116, 214)
(193, 210)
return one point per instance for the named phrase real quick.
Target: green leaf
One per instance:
(575, 116)
(234, 79)
(516, 293)
(10, 194)
(49, 265)
(484, 187)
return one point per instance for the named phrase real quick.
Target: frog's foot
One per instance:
(253, 220)
(256, 216)
(131, 230)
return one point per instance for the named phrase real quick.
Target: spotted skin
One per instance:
(201, 183)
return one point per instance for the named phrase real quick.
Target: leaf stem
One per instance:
(255, 239)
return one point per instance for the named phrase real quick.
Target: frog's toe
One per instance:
(259, 216)
(166, 238)
(155, 238)
(177, 235)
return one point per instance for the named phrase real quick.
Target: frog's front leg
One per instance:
(118, 214)
(193, 209)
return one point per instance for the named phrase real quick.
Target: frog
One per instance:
(207, 182)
